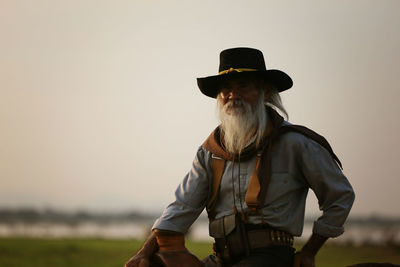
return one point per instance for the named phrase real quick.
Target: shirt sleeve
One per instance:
(332, 189)
(190, 198)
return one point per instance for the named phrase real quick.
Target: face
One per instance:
(239, 89)
(241, 111)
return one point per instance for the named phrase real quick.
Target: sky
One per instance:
(100, 110)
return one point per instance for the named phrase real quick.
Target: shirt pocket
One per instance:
(281, 184)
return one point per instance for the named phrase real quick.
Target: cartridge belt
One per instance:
(261, 238)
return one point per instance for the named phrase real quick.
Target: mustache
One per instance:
(234, 103)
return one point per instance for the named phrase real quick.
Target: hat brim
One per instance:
(211, 85)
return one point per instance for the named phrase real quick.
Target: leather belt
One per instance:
(234, 247)
(260, 238)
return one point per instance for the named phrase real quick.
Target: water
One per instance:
(357, 234)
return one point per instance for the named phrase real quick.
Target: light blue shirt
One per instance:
(298, 163)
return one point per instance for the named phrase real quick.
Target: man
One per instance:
(252, 174)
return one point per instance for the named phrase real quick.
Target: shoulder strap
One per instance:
(218, 165)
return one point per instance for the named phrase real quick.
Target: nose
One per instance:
(233, 94)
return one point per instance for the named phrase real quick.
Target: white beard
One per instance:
(241, 124)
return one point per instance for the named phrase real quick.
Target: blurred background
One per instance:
(100, 114)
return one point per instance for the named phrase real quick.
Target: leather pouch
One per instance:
(222, 227)
(230, 237)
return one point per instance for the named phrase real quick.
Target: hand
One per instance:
(302, 259)
(139, 260)
(143, 256)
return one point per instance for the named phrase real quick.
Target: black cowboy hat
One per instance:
(243, 61)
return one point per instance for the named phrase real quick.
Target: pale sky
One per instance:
(99, 106)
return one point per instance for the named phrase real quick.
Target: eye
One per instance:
(225, 86)
(243, 85)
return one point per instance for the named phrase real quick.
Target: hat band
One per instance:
(235, 70)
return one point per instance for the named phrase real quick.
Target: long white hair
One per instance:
(274, 99)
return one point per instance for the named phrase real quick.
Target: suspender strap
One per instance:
(218, 165)
(253, 188)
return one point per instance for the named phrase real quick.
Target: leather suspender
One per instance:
(251, 198)
(253, 189)
(218, 166)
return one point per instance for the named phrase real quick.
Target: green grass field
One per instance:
(101, 253)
